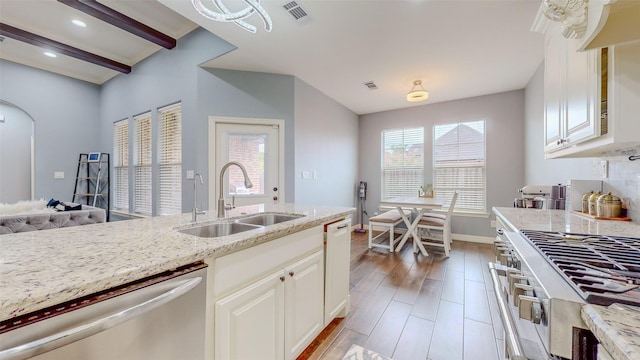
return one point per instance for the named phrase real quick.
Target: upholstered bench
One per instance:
(52, 220)
(389, 219)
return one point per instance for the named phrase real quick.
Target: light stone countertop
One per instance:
(565, 221)
(39, 269)
(617, 327)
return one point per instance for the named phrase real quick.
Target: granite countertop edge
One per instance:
(616, 328)
(39, 269)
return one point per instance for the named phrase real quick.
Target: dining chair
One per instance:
(437, 228)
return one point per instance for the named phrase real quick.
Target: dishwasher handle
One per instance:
(93, 327)
(512, 340)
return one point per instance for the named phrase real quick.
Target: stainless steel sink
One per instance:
(219, 229)
(268, 219)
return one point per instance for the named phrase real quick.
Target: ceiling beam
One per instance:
(107, 14)
(45, 43)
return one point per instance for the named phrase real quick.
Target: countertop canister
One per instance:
(608, 206)
(593, 206)
(585, 201)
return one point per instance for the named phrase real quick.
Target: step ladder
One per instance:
(92, 181)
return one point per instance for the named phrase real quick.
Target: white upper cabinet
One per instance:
(591, 98)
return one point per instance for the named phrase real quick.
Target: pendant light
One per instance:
(417, 93)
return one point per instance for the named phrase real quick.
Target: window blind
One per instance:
(170, 160)
(121, 165)
(402, 170)
(142, 164)
(459, 164)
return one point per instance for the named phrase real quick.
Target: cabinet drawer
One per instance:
(236, 270)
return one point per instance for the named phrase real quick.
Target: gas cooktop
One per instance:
(602, 269)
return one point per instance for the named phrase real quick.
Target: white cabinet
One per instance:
(304, 295)
(337, 268)
(275, 317)
(571, 84)
(268, 301)
(592, 98)
(249, 324)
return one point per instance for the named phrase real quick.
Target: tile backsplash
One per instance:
(624, 180)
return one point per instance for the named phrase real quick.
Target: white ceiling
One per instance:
(458, 48)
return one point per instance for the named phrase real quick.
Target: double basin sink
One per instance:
(251, 222)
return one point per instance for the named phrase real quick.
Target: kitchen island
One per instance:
(617, 327)
(41, 269)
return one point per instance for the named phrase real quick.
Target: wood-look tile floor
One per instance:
(411, 307)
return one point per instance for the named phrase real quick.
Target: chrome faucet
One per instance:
(195, 212)
(222, 207)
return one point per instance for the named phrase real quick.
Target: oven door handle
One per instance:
(512, 340)
(95, 326)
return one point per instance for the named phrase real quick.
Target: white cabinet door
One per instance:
(304, 295)
(249, 324)
(337, 267)
(554, 106)
(583, 104)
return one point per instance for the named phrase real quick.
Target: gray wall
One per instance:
(164, 78)
(250, 95)
(65, 114)
(16, 132)
(624, 175)
(504, 115)
(73, 116)
(326, 136)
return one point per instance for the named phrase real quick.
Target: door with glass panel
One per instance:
(257, 147)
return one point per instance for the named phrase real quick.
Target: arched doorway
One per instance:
(16, 154)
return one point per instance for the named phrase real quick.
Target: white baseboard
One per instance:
(458, 237)
(474, 238)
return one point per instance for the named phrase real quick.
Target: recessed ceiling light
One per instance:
(79, 23)
(50, 54)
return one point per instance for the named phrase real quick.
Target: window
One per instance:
(170, 160)
(121, 165)
(142, 164)
(459, 164)
(402, 162)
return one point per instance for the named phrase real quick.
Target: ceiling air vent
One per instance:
(295, 10)
(371, 85)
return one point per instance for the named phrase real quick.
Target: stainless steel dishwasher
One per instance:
(160, 318)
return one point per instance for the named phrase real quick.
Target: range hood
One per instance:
(593, 23)
(611, 22)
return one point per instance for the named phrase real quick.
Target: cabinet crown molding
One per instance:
(570, 14)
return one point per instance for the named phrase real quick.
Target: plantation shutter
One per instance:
(402, 171)
(142, 164)
(121, 165)
(170, 160)
(459, 164)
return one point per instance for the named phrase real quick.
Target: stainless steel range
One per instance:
(544, 278)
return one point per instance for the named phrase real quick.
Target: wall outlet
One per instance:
(305, 175)
(58, 174)
(190, 174)
(604, 169)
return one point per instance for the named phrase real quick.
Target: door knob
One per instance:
(275, 188)
(275, 198)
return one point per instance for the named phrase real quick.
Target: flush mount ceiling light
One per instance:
(417, 93)
(79, 23)
(235, 17)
